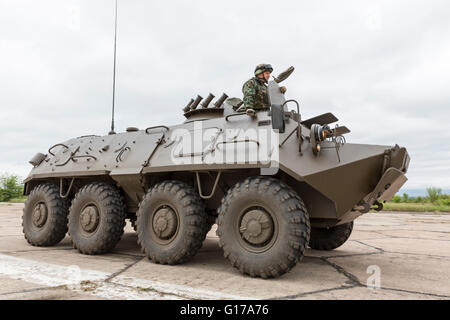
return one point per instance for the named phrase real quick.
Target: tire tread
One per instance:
(113, 209)
(58, 221)
(194, 212)
(297, 216)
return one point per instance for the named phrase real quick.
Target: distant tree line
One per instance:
(434, 196)
(11, 187)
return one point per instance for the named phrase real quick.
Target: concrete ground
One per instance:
(406, 254)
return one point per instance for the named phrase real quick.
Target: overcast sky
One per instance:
(382, 67)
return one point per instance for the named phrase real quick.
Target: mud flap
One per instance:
(391, 181)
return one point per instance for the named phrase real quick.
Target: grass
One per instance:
(21, 199)
(415, 207)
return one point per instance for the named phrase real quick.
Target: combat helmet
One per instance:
(260, 68)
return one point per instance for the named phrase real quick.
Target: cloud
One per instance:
(382, 67)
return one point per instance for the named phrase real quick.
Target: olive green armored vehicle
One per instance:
(274, 183)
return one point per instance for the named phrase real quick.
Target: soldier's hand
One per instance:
(250, 112)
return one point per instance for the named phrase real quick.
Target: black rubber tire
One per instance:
(110, 205)
(55, 227)
(288, 213)
(191, 227)
(331, 238)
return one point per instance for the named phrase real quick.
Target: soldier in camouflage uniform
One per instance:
(255, 89)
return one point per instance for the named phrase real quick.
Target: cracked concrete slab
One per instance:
(413, 234)
(350, 248)
(412, 251)
(364, 235)
(209, 270)
(48, 294)
(404, 221)
(411, 246)
(17, 242)
(13, 285)
(128, 245)
(105, 263)
(364, 293)
(414, 273)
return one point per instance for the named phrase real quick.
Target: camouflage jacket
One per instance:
(255, 94)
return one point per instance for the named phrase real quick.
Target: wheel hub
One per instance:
(89, 218)
(256, 227)
(165, 223)
(40, 214)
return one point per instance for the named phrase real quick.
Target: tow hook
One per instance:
(378, 206)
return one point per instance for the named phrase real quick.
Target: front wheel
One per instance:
(331, 238)
(263, 227)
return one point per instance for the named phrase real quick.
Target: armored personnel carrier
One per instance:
(273, 182)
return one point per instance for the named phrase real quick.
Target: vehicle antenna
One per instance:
(114, 72)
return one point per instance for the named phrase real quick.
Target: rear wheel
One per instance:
(171, 222)
(263, 227)
(331, 238)
(44, 218)
(96, 218)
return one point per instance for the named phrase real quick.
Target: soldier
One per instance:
(255, 89)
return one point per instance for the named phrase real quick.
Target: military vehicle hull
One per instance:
(333, 184)
(219, 157)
